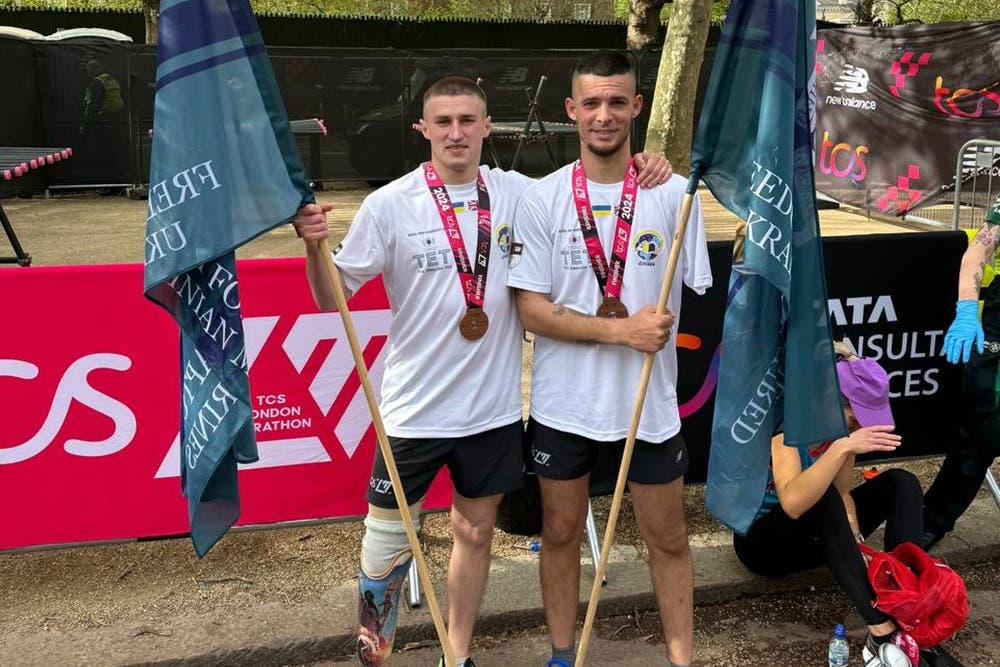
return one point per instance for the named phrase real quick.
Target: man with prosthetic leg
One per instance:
(450, 395)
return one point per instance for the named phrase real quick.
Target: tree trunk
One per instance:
(643, 24)
(864, 11)
(671, 119)
(151, 16)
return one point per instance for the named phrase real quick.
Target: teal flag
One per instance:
(224, 170)
(753, 149)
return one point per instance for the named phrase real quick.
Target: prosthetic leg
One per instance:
(385, 561)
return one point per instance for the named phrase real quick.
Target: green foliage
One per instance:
(311, 7)
(939, 11)
(894, 11)
(719, 8)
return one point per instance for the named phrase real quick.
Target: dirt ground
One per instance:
(89, 586)
(749, 632)
(94, 585)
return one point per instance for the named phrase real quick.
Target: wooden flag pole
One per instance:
(633, 429)
(383, 443)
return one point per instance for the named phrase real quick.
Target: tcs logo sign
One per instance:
(73, 385)
(319, 380)
(843, 160)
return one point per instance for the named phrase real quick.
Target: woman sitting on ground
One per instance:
(811, 516)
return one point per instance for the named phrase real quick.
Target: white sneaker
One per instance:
(886, 655)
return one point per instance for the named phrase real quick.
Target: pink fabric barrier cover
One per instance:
(89, 446)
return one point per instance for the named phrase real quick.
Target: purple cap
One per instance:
(866, 386)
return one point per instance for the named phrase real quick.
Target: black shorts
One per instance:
(561, 455)
(481, 465)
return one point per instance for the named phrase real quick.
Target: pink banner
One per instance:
(89, 400)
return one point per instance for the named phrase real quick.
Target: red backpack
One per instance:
(926, 597)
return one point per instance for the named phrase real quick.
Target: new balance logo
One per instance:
(853, 80)
(357, 75)
(514, 75)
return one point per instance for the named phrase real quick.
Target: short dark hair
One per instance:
(604, 62)
(454, 85)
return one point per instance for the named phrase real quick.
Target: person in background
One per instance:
(101, 129)
(811, 516)
(102, 98)
(976, 344)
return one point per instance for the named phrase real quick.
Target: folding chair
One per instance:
(534, 129)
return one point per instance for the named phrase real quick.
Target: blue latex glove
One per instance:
(963, 332)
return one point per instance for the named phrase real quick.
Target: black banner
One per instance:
(895, 105)
(891, 296)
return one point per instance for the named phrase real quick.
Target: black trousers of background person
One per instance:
(964, 467)
(777, 545)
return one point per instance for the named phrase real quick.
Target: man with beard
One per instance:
(591, 338)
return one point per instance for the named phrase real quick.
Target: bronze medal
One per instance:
(613, 308)
(474, 324)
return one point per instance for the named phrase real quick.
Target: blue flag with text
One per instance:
(224, 170)
(753, 149)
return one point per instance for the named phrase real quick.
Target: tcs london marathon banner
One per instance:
(89, 444)
(89, 399)
(894, 106)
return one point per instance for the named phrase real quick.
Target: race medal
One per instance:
(613, 308)
(474, 324)
(471, 274)
(610, 274)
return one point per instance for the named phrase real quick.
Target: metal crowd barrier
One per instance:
(980, 159)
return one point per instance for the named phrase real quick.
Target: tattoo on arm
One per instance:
(559, 311)
(977, 279)
(563, 310)
(987, 235)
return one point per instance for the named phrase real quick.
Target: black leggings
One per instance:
(777, 545)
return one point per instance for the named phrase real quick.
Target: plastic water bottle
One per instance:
(839, 651)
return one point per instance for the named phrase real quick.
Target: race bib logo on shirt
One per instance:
(648, 245)
(503, 238)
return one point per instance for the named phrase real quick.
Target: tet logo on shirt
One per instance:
(574, 253)
(648, 245)
(433, 260)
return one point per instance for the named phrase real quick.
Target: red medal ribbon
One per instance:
(609, 279)
(471, 276)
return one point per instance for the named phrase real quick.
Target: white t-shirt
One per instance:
(587, 388)
(436, 383)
